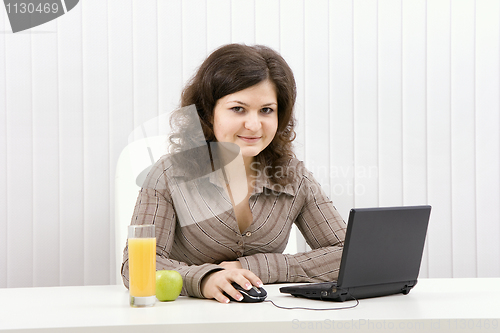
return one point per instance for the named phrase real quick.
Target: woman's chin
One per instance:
(249, 153)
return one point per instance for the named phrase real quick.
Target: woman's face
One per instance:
(248, 118)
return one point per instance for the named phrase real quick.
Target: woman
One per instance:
(244, 96)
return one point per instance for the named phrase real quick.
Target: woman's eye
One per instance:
(267, 110)
(237, 109)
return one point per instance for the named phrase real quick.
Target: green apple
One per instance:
(168, 285)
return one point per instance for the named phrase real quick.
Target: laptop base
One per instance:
(328, 291)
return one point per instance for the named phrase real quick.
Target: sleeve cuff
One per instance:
(194, 276)
(269, 267)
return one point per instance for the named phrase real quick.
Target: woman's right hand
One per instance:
(214, 284)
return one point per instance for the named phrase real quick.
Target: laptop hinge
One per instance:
(406, 289)
(343, 295)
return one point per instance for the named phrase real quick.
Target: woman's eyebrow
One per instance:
(245, 104)
(238, 102)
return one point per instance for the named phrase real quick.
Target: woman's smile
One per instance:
(249, 139)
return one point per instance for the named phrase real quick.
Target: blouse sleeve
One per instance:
(324, 230)
(155, 206)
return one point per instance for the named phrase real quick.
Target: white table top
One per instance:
(444, 305)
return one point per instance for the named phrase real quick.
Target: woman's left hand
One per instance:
(231, 264)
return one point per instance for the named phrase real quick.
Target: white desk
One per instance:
(434, 305)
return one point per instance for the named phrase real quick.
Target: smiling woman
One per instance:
(248, 118)
(227, 221)
(241, 69)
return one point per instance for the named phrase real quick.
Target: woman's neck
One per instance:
(249, 169)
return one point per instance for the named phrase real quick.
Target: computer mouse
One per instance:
(253, 295)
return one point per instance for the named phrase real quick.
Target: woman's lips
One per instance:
(249, 139)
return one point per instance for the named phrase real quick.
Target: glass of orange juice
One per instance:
(142, 265)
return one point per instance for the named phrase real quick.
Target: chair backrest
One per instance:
(134, 159)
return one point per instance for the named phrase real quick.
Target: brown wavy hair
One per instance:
(230, 69)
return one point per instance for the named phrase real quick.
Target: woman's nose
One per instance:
(252, 122)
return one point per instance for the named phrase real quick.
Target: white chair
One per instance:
(134, 159)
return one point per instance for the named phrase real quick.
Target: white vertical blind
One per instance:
(487, 94)
(291, 45)
(413, 122)
(316, 117)
(71, 150)
(463, 132)
(365, 118)
(267, 22)
(45, 130)
(439, 134)
(398, 104)
(292, 39)
(97, 168)
(170, 55)
(242, 22)
(390, 71)
(123, 81)
(341, 97)
(218, 23)
(194, 27)
(3, 159)
(19, 161)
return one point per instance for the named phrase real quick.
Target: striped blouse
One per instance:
(196, 228)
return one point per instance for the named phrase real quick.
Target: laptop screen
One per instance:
(383, 245)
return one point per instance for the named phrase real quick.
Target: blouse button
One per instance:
(248, 234)
(239, 254)
(240, 243)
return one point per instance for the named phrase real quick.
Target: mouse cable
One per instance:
(327, 309)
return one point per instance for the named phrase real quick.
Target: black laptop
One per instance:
(381, 256)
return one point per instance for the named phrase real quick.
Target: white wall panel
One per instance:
(316, 81)
(292, 49)
(242, 21)
(170, 78)
(397, 99)
(414, 120)
(3, 154)
(390, 172)
(194, 38)
(463, 180)
(341, 95)
(366, 143)
(439, 136)
(19, 191)
(267, 23)
(123, 78)
(414, 102)
(96, 166)
(45, 158)
(218, 24)
(145, 56)
(71, 141)
(488, 137)
(291, 27)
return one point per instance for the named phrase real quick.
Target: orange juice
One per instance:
(142, 266)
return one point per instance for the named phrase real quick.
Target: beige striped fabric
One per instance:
(196, 228)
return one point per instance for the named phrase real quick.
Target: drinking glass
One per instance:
(142, 265)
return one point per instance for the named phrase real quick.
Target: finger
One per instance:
(235, 294)
(224, 289)
(252, 279)
(219, 297)
(243, 282)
